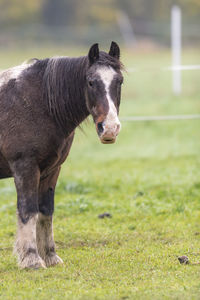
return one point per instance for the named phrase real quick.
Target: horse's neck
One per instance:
(64, 90)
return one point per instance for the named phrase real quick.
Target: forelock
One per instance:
(108, 61)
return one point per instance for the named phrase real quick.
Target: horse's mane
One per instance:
(63, 89)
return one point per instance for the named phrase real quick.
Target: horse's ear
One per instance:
(114, 50)
(93, 54)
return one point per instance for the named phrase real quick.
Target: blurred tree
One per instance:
(101, 11)
(19, 11)
(59, 12)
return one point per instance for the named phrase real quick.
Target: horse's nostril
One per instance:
(100, 127)
(118, 128)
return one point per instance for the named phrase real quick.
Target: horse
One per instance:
(42, 102)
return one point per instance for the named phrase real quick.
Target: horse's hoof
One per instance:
(32, 262)
(52, 260)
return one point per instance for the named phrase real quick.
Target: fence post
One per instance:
(176, 48)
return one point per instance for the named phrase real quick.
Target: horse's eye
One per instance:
(90, 83)
(119, 81)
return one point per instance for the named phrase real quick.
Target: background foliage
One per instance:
(77, 20)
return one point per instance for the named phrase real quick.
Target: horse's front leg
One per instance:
(45, 240)
(26, 176)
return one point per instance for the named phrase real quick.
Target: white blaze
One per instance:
(107, 74)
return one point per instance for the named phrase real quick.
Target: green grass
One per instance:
(149, 181)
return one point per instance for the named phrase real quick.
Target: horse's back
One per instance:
(12, 73)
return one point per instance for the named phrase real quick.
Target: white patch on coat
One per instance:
(107, 75)
(13, 73)
(26, 240)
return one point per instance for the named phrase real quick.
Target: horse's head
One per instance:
(104, 79)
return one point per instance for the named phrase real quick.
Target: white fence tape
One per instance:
(183, 68)
(171, 68)
(160, 118)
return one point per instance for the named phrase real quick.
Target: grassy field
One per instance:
(149, 181)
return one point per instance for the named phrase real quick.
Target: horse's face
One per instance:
(104, 92)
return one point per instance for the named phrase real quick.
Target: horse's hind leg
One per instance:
(27, 180)
(45, 241)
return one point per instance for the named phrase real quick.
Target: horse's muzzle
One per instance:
(108, 132)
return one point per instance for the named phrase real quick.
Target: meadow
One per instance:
(149, 181)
